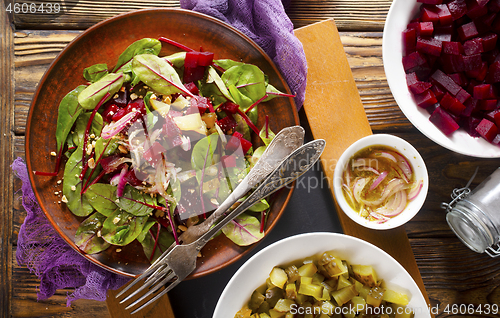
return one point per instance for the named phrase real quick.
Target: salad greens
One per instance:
(157, 143)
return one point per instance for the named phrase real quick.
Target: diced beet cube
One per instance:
(469, 124)
(496, 140)
(153, 153)
(429, 46)
(205, 58)
(444, 80)
(193, 74)
(459, 78)
(425, 99)
(191, 60)
(453, 48)
(227, 124)
(482, 91)
(236, 140)
(473, 46)
(494, 73)
(429, 13)
(413, 60)
(444, 14)
(443, 121)
(494, 5)
(452, 104)
(458, 8)
(229, 107)
(467, 31)
(425, 28)
(443, 37)
(452, 63)
(489, 41)
(430, 1)
(491, 115)
(488, 104)
(192, 88)
(497, 119)
(409, 41)
(487, 129)
(463, 96)
(472, 62)
(438, 92)
(416, 86)
(482, 3)
(474, 10)
(479, 73)
(201, 104)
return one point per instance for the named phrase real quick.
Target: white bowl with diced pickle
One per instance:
(322, 274)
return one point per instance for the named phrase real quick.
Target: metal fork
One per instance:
(180, 260)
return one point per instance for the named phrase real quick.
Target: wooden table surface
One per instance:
(452, 274)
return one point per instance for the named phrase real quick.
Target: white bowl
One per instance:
(255, 271)
(404, 148)
(400, 14)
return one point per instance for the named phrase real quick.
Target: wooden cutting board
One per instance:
(335, 113)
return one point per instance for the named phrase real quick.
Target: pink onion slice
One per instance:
(379, 217)
(348, 192)
(385, 155)
(394, 206)
(405, 166)
(365, 162)
(114, 128)
(359, 185)
(392, 187)
(379, 179)
(415, 190)
(373, 170)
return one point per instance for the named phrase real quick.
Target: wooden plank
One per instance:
(6, 151)
(331, 91)
(351, 15)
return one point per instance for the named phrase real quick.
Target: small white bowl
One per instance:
(404, 148)
(254, 272)
(400, 14)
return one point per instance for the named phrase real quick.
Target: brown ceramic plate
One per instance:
(103, 43)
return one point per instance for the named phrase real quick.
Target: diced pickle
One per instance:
(276, 314)
(335, 268)
(362, 289)
(293, 273)
(311, 290)
(256, 300)
(284, 305)
(365, 274)
(343, 282)
(318, 278)
(244, 312)
(308, 270)
(375, 296)
(343, 295)
(327, 307)
(358, 303)
(264, 315)
(264, 308)
(278, 277)
(273, 295)
(291, 291)
(395, 298)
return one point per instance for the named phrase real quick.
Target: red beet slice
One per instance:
(416, 86)
(457, 8)
(487, 129)
(474, 10)
(473, 46)
(429, 13)
(425, 99)
(497, 119)
(444, 80)
(463, 96)
(482, 91)
(425, 28)
(494, 73)
(488, 104)
(489, 41)
(452, 104)
(453, 48)
(413, 61)
(444, 14)
(429, 46)
(409, 41)
(467, 31)
(494, 5)
(443, 121)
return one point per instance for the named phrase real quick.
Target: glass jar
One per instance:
(475, 217)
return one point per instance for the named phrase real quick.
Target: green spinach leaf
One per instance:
(88, 237)
(72, 185)
(147, 240)
(243, 230)
(102, 197)
(132, 201)
(146, 45)
(177, 59)
(68, 112)
(203, 152)
(248, 80)
(95, 72)
(121, 228)
(95, 92)
(81, 126)
(157, 74)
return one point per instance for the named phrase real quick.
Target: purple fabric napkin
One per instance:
(40, 247)
(51, 259)
(265, 22)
